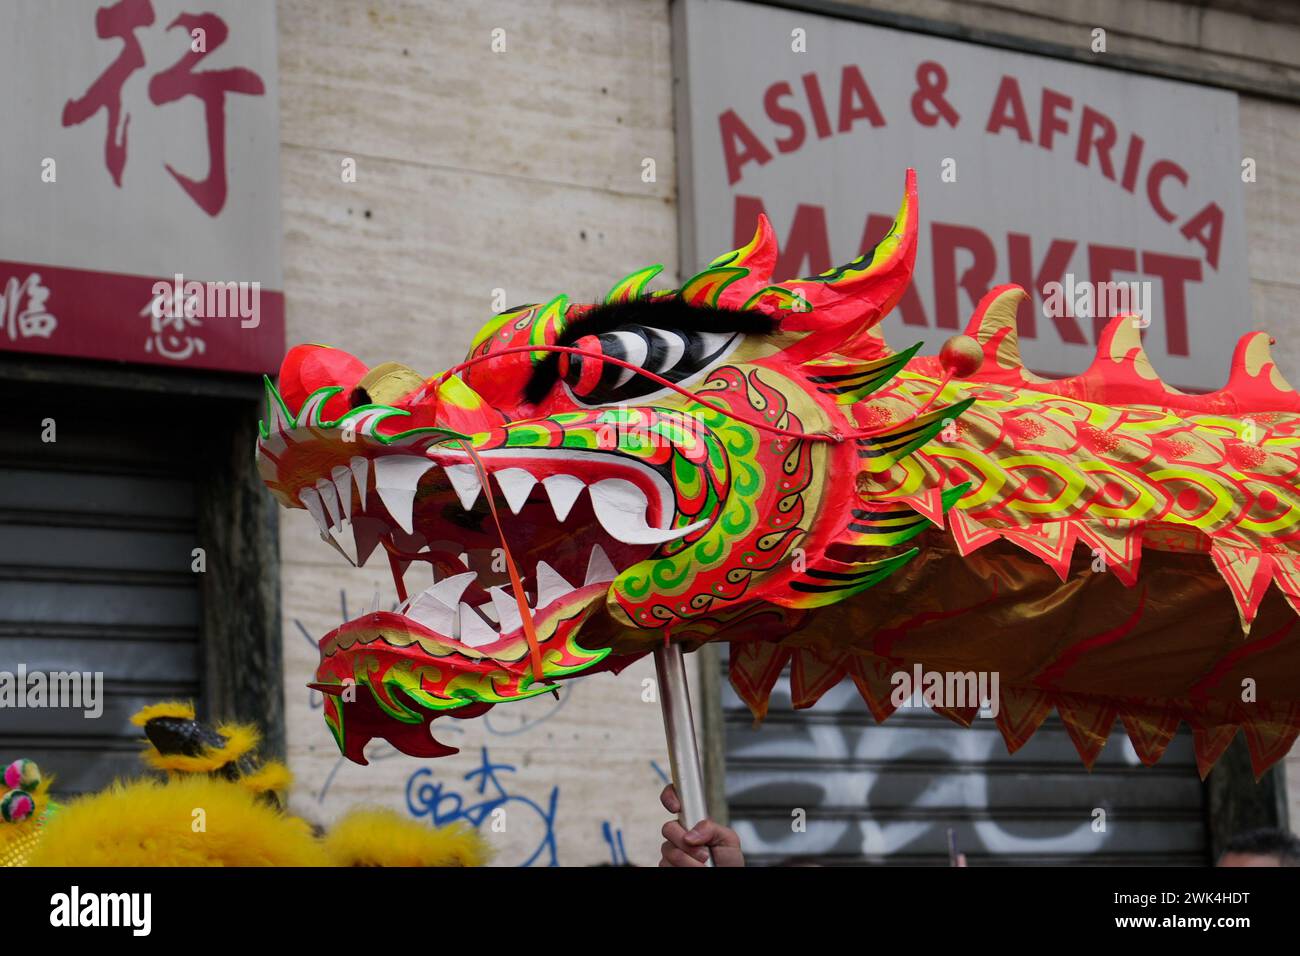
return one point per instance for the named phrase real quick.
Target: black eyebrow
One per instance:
(666, 312)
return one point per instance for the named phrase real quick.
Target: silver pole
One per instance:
(679, 729)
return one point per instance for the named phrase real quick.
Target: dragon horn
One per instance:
(852, 298)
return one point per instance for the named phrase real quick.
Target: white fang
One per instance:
(599, 567)
(396, 477)
(516, 484)
(563, 491)
(464, 481)
(621, 510)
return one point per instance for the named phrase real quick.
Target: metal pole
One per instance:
(679, 729)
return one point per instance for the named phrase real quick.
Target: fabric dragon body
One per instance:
(746, 460)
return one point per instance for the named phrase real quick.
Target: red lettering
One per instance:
(740, 146)
(1160, 171)
(1049, 123)
(1174, 272)
(209, 87)
(821, 122)
(1009, 110)
(1055, 262)
(784, 117)
(1103, 263)
(120, 20)
(1096, 131)
(1132, 162)
(975, 280)
(1206, 227)
(856, 101)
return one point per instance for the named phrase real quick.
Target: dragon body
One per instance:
(747, 460)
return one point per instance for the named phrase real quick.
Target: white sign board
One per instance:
(1030, 170)
(141, 144)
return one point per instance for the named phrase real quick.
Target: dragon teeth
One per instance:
(563, 491)
(360, 473)
(599, 567)
(550, 585)
(435, 606)
(342, 477)
(310, 498)
(450, 589)
(516, 484)
(344, 541)
(507, 609)
(396, 478)
(329, 496)
(621, 510)
(432, 613)
(473, 630)
(464, 481)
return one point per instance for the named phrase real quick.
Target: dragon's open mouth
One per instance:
(571, 521)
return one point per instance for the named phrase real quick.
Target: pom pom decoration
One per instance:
(16, 806)
(22, 775)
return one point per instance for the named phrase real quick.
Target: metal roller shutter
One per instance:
(96, 533)
(888, 793)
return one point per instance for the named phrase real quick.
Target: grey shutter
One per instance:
(96, 533)
(888, 793)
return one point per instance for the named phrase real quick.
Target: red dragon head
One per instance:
(596, 478)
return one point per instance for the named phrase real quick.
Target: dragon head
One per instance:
(594, 478)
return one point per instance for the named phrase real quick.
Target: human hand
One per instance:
(691, 847)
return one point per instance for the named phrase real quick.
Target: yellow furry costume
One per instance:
(217, 807)
(182, 821)
(19, 839)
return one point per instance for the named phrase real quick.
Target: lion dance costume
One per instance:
(215, 804)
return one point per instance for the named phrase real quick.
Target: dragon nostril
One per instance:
(358, 398)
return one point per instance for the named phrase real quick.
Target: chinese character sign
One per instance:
(207, 31)
(22, 307)
(149, 150)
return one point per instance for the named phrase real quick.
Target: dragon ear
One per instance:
(841, 307)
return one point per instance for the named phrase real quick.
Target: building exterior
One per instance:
(436, 161)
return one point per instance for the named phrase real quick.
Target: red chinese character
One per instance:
(120, 20)
(210, 86)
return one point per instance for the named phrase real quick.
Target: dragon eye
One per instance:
(672, 354)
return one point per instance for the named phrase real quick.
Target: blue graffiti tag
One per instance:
(426, 797)
(613, 837)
